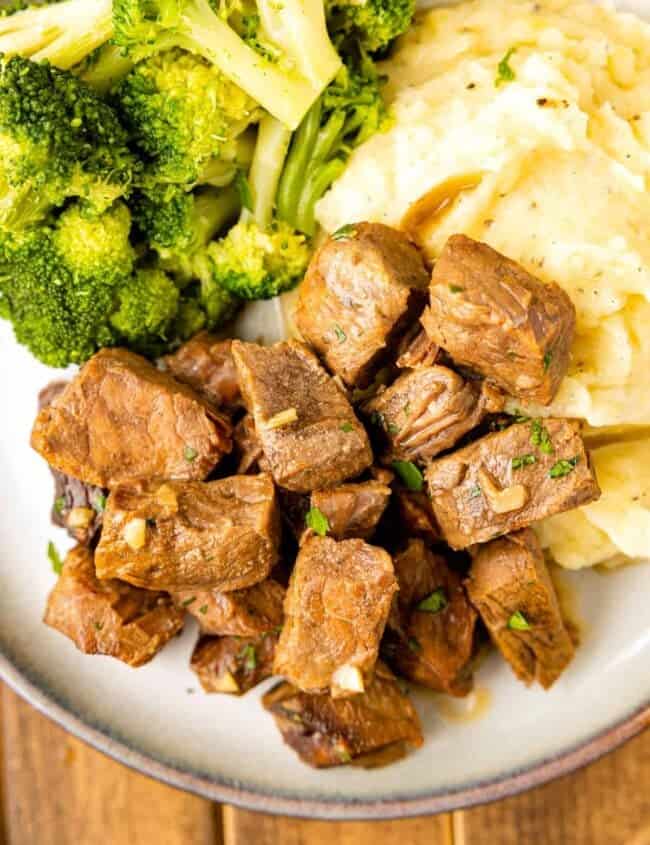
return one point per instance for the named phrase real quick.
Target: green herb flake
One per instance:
(378, 419)
(393, 429)
(244, 190)
(520, 416)
(344, 233)
(435, 602)
(540, 437)
(347, 427)
(249, 657)
(189, 454)
(547, 361)
(344, 755)
(523, 461)
(414, 645)
(340, 334)
(456, 288)
(504, 72)
(55, 558)
(317, 521)
(187, 602)
(59, 505)
(99, 626)
(100, 503)
(518, 622)
(563, 467)
(407, 409)
(475, 492)
(410, 475)
(203, 609)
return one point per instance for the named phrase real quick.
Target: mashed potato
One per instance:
(548, 163)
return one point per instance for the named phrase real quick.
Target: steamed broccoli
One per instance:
(147, 308)
(285, 84)
(104, 68)
(373, 23)
(57, 140)
(62, 33)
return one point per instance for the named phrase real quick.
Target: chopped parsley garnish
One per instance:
(410, 475)
(340, 334)
(249, 657)
(563, 467)
(518, 622)
(344, 755)
(378, 419)
(456, 288)
(99, 626)
(100, 503)
(244, 190)
(475, 492)
(344, 233)
(519, 416)
(504, 72)
(414, 645)
(189, 454)
(407, 409)
(317, 521)
(547, 360)
(434, 603)
(540, 437)
(523, 461)
(393, 429)
(347, 427)
(59, 505)
(55, 558)
(189, 601)
(203, 609)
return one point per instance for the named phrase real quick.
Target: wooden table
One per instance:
(57, 791)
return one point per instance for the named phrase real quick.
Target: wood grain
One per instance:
(58, 791)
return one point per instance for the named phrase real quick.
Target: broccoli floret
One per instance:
(190, 319)
(62, 33)
(254, 263)
(373, 23)
(57, 140)
(148, 306)
(285, 84)
(104, 68)
(182, 113)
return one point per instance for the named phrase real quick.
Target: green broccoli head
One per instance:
(57, 140)
(373, 23)
(254, 263)
(147, 307)
(95, 245)
(183, 113)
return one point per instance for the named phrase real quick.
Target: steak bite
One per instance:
(510, 479)
(109, 617)
(233, 664)
(308, 430)
(491, 315)
(206, 364)
(416, 349)
(426, 411)
(239, 613)
(181, 535)
(375, 728)
(362, 289)
(336, 608)
(352, 510)
(511, 588)
(432, 634)
(121, 418)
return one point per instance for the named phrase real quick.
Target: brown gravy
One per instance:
(426, 212)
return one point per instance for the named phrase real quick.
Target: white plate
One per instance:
(156, 718)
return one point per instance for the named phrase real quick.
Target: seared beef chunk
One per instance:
(233, 664)
(371, 729)
(181, 535)
(431, 637)
(352, 510)
(510, 586)
(510, 479)
(416, 514)
(336, 608)
(308, 430)
(417, 350)
(109, 617)
(426, 411)
(491, 315)
(206, 364)
(239, 613)
(121, 418)
(248, 448)
(77, 507)
(363, 288)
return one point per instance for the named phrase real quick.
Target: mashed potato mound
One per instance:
(544, 153)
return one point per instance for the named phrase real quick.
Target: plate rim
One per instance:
(504, 785)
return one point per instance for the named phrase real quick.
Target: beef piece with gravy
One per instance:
(308, 430)
(510, 479)
(371, 729)
(362, 290)
(336, 608)
(352, 510)
(492, 316)
(206, 364)
(107, 616)
(121, 418)
(247, 447)
(511, 588)
(416, 349)
(233, 664)
(238, 613)
(181, 535)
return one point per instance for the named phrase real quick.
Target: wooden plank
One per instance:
(606, 804)
(242, 827)
(58, 791)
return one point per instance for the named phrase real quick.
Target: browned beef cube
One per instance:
(109, 617)
(206, 364)
(362, 290)
(426, 411)
(416, 349)
(308, 430)
(491, 315)
(375, 728)
(336, 608)
(510, 479)
(182, 535)
(352, 510)
(248, 447)
(233, 664)
(416, 514)
(510, 586)
(121, 418)
(431, 640)
(239, 613)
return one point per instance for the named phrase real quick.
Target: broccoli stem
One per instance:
(317, 183)
(105, 69)
(300, 154)
(270, 153)
(213, 210)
